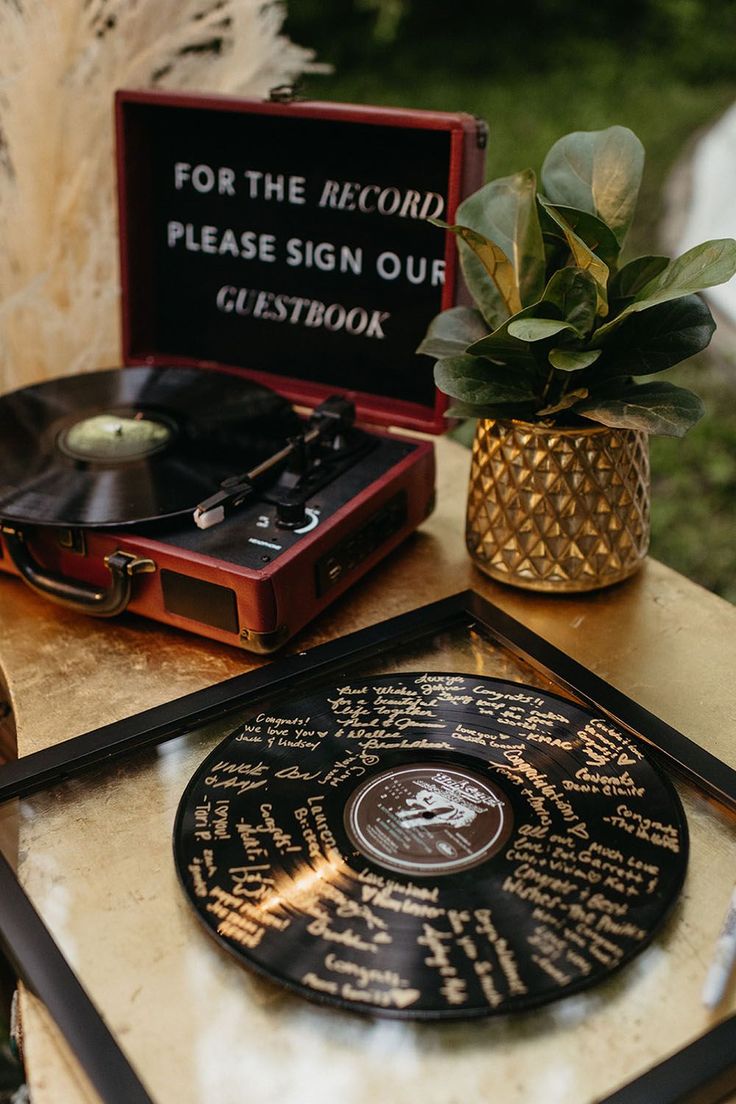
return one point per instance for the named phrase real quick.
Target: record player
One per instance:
(251, 461)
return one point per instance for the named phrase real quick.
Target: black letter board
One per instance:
(290, 240)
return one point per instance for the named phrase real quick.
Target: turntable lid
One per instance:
(291, 242)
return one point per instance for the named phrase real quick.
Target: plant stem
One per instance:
(548, 384)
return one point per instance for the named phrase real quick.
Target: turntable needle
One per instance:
(329, 422)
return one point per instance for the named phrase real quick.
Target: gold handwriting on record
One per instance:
(296, 774)
(240, 777)
(241, 921)
(346, 937)
(364, 975)
(602, 745)
(199, 884)
(423, 893)
(644, 828)
(550, 968)
(439, 944)
(251, 881)
(521, 772)
(611, 785)
(384, 899)
(253, 837)
(507, 960)
(378, 998)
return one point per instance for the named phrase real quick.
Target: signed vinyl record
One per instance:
(431, 846)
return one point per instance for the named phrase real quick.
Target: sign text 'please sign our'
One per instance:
(289, 251)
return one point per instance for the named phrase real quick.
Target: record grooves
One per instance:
(431, 846)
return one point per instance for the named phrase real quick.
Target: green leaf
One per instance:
(653, 341)
(597, 236)
(659, 408)
(494, 261)
(473, 380)
(703, 266)
(573, 360)
(505, 212)
(597, 171)
(583, 257)
(452, 331)
(485, 293)
(537, 329)
(564, 403)
(503, 347)
(635, 275)
(574, 292)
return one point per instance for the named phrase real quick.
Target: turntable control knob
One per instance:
(291, 515)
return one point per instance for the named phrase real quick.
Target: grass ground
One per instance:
(586, 85)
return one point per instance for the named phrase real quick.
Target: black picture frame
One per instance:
(703, 1072)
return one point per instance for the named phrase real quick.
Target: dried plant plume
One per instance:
(60, 63)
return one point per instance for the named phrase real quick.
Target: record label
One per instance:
(114, 436)
(428, 819)
(433, 846)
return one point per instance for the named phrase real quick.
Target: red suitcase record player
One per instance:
(272, 254)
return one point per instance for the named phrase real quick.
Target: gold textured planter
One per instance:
(558, 509)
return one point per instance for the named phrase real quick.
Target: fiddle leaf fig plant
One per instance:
(562, 332)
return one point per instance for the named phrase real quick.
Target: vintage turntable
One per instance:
(272, 253)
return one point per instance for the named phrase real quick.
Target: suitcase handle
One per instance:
(97, 601)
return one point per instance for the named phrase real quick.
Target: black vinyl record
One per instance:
(431, 846)
(129, 445)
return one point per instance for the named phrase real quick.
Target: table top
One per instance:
(661, 639)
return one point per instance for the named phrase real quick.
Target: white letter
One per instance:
(376, 322)
(416, 277)
(410, 204)
(382, 266)
(296, 189)
(261, 303)
(298, 304)
(181, 174)
(314, 314)
(175, 230)
(265, 248)
(334, 317)
(252, 177)
(438, 273)
(329, 194)
(225, 181)
(229, 243)
(203, 178)
(248, 243)
(225, 298)
(351, 259)
(363, 204)
(324, 256)
(209, 239)
(356, 321)
(294, 252)
(439, 206)
(388, 201)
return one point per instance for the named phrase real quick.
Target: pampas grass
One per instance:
(60, 63)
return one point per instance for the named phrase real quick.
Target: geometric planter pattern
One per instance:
(558, 509)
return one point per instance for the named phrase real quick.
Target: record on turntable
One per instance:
(431, 846)
(122, 447)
